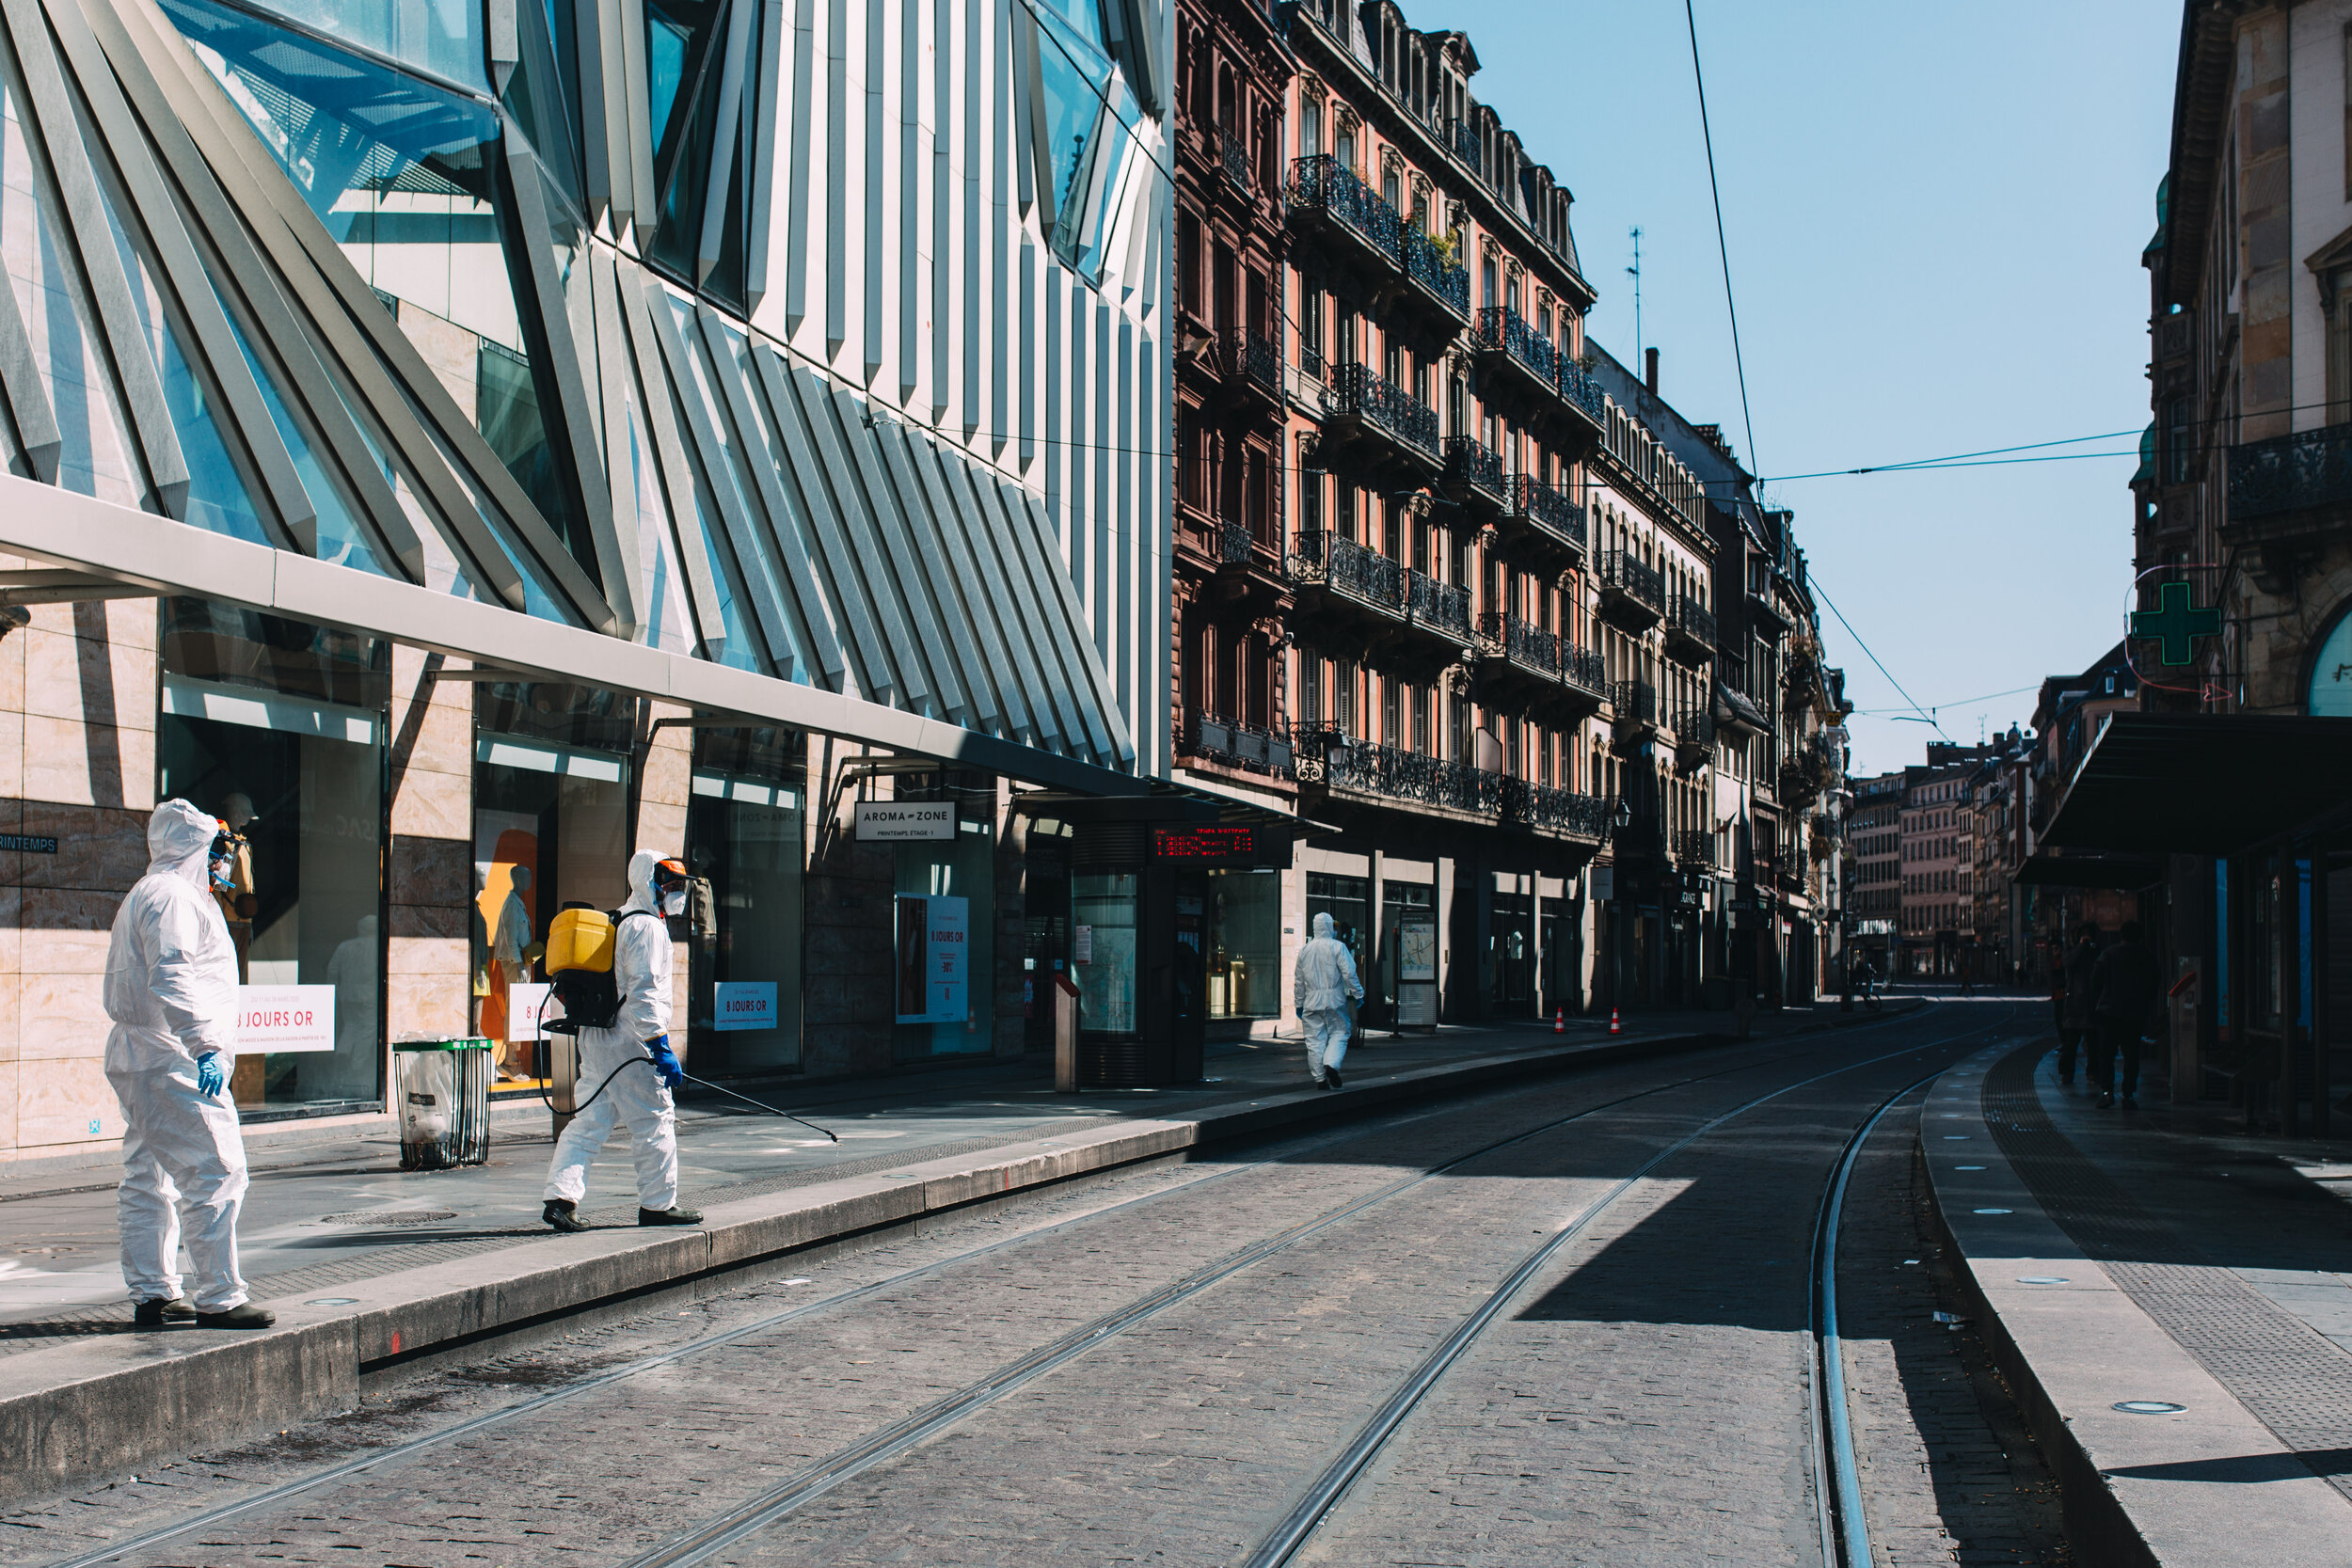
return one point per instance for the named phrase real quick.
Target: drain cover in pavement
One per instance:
(392, 1216)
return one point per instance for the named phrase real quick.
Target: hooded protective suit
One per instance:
(172, 989)
(636, 1098)
(1324, 989)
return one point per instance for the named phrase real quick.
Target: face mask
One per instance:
(673, 902)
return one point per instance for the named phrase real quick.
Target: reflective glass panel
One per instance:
(217, 500)
(444, 37)
(397, 169)
(94, 456)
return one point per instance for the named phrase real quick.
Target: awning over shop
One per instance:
(2156, 783)
(2087, 868)
(1167, 802)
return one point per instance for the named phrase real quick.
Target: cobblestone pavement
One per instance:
(1644, 1400)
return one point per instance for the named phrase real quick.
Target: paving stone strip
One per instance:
(52, 1325)
(2291, 1379)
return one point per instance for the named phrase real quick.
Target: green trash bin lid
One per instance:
(475, 1043)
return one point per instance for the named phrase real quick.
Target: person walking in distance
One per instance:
(638, 1098)
(2123, 997)
(172, 990)
(1324, 989)
(2073, 1001)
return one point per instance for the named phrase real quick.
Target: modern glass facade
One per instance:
(751, 371)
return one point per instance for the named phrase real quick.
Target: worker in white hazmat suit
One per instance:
(637, 1097)
(1326, 990)
(172, 990)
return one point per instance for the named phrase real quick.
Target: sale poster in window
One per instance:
(934, 979)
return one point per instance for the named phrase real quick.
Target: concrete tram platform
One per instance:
(371, 1268)
(2171, 1307)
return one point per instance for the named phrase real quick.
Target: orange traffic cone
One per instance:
(1614, 1027)
(1560, 1019)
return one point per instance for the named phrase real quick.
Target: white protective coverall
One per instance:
(172, 989)
(637, 1097)
(1323, 986)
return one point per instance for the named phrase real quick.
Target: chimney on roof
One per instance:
(1649, 371)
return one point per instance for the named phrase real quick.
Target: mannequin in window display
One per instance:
(238, 905)
(510, 965)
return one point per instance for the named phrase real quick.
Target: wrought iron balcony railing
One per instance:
(1347, 568)
(1469, 464)
(1233, 544)
(1585, 669)
(1463, 138)
(1445, 607)
(1226, 740)
(1323, 185)
(1695, 726)
(1554, 810)
(1629, 574)
(1636, 702)
(1548, 509)
(1503, 330)
(1237, 160)
(1522, 643)
(1577, 385)
(1342, 761)
(1695, 846)
(1691, 619)
(1259, 359)
(1426, 263)
(2289, 473)
(1384, 404)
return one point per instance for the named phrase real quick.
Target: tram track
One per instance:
(714, 1535)
(1844, 1528)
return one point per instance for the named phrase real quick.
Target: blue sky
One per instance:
(1935, 219)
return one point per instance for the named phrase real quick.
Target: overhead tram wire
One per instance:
(1722, 245)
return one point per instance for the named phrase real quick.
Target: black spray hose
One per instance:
(757, 1105)
(692, 1079)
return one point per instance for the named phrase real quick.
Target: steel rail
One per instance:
(756, 1513)
(1307, 1515)
(1843, 1515)
(399, 1453)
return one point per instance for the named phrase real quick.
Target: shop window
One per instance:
(1103, 906)
(944, 923)
(278, 728)
(1407, 957)
(746, 830)
(1245, 966)
(552, 764)
(1347, 901)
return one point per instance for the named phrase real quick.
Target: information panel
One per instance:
(743, 1005)
(934, 982)
(1213, 844)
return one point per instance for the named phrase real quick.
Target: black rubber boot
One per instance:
(244, 1316)
(156, 1314)
(562, 1214)
(671, 1216)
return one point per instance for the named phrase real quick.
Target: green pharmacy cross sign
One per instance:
(2173, 624)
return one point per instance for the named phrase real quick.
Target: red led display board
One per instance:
(1204, 844)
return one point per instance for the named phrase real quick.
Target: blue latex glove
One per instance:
(210, 1080)
(665, 1062)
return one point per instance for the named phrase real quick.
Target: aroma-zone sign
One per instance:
(273, 1019)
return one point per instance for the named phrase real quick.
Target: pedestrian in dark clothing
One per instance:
(2124, 988)
(2075, 999)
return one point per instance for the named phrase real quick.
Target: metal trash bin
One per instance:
(444, 1090)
